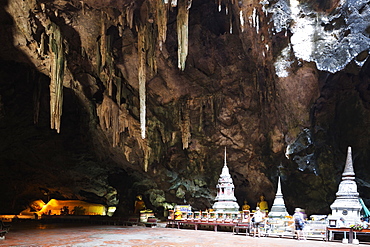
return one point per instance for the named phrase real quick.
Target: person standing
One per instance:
(364, 223)
(342, 222)
(257, 220)
(298, 217)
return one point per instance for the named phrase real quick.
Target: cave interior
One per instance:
(105, 100)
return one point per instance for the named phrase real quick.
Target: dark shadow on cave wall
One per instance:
(34, 158)
(340, 118)
(15, 119)
(350, 126)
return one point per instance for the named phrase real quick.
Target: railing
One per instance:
(241, 223)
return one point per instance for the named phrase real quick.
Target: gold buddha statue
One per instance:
(139, 204)
(178, 214)
(246, 206)
(262, 204)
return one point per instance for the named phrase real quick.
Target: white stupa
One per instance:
(278, 209)
(347, 204)
(225, 199)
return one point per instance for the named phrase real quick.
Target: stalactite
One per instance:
(241, 19)
(201, 115)
(254, 20)
(109, 71)
(57, 74)
(105, 59)
(182, 32)
(98, 57)
(110, 87)
(185, 125)
(147, 40)
(142, 77)
(213, 108)
(82, 7)
(120, 25)
(118, 119)
(146, 55)
(134, 131)
(108, 63)
(130, 14)
(231, 24)
(227, 9)
(162, 9)
(118, 83)
(108, 113)
(104, 112)
(146, 156)
(115, 125)
(103, 41)
(41, 49)
(219, 2)
(150, 36)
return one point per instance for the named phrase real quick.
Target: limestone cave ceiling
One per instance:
(103, 100)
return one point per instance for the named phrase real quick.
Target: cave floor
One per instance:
(110, 235)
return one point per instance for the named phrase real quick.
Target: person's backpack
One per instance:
(298, 219)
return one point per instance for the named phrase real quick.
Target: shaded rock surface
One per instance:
(229, 94)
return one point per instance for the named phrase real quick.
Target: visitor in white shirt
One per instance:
(342, 222)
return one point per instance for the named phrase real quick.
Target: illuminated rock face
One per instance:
(331, 40)
(225, 199)
(347, 204)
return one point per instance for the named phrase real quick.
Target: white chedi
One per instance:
(225, 199)
(347, 204)
(278, 209)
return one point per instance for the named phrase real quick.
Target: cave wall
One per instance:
(229, 94)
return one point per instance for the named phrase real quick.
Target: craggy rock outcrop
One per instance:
(104, 100)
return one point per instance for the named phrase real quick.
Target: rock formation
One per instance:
(102, 100)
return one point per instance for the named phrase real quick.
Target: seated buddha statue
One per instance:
(246, 206)
(139, 204)
(262, 204)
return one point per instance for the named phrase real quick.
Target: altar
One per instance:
(349, 234)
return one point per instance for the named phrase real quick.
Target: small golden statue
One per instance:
(178, 214)
(139, 204)
(262, 204)
(246, 206)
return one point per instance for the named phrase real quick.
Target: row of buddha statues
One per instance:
(262, 204)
